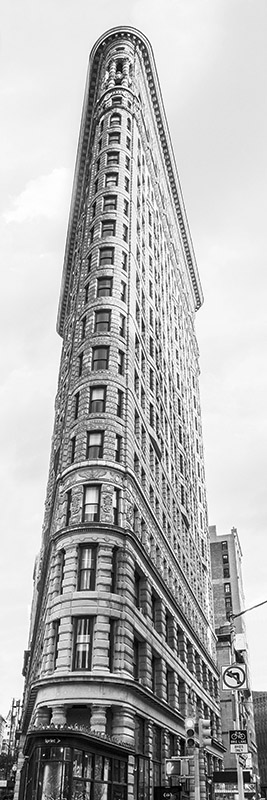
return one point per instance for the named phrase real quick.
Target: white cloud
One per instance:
(46, 196)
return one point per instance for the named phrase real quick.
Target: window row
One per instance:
(108, 228)
(106, 256)
(91, 504)
(95, 447)
(97, 401)
(102, 320)
(112, 158)
(109, 203)
(111, 180)
(100, 360)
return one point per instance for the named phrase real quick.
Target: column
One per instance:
(104, 567)
(98, 719)
(58, 715)
(100, 658)
(123, 725)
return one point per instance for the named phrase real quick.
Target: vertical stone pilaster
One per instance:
(104, 567)
(42, 716)
(145, 655)
(160, 618)
(59, 715)
(171, 633)
(191, 661)
(183, 698)
(182, 646)
(98, 719)
(100, 657)
(123, 724)
(145, 596)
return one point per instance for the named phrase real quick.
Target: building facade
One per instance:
(229, 599)
(122, 643)
(260, 717)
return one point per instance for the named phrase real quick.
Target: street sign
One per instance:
(234, 677)
(238, 741)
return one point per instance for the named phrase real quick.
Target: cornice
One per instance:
(87, 121)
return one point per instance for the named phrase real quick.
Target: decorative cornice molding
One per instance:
(87, 122)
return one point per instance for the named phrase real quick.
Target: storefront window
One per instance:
(66, 773)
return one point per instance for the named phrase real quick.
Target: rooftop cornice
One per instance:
(138, 39)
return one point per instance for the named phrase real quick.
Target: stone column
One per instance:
(42, 716)
(100, 658)
(123, 724)
(104, 568)
(182, 646)
(145, 655)
(191, 662)
(59, 715)
(98, 719)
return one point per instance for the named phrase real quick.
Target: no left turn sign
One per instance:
(234, 677)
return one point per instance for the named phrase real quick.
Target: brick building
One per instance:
(260, 718)
(228, 593)
(122, 644)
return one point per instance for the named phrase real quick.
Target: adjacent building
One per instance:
(122, 645)
(229, 600)
(260, 718)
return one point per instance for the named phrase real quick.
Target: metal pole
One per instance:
(196, 765)
(240, 782)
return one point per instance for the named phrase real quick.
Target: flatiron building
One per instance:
(122, 644)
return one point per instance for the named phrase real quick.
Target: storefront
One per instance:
(69, 767)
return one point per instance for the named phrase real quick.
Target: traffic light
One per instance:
(190, 732)
(204, 732)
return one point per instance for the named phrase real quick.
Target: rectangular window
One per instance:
(56, 641)
(109, 202)
(113, 157)
(227, 588)
(123, 292)
(128, 142)
(102, 320)
(83, 635)
(99, 145)
(124, 261)
(104, 287)
(94, 447)
(106, 256)
(72, 449)
(83, 329)
(115, 120)
(76, 405)
(122, 326)
(91, 503)
(121, 362)
(136, 659)
(92, 234)
(125, 233)
(80, 365)
(97, 399)
(108, 228)
(118, 445)
(112, 624)
(61, 567)
(100, 357)
(86, 293)
(86, 568)
(114, 138)
(120, 403)
(68, 507)
(127, 162)
(126, 208)
(116, 505)
(126, 184)
(111, 179)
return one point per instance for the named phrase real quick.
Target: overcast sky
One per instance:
(211, 57)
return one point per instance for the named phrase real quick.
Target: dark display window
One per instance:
(70, 773)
